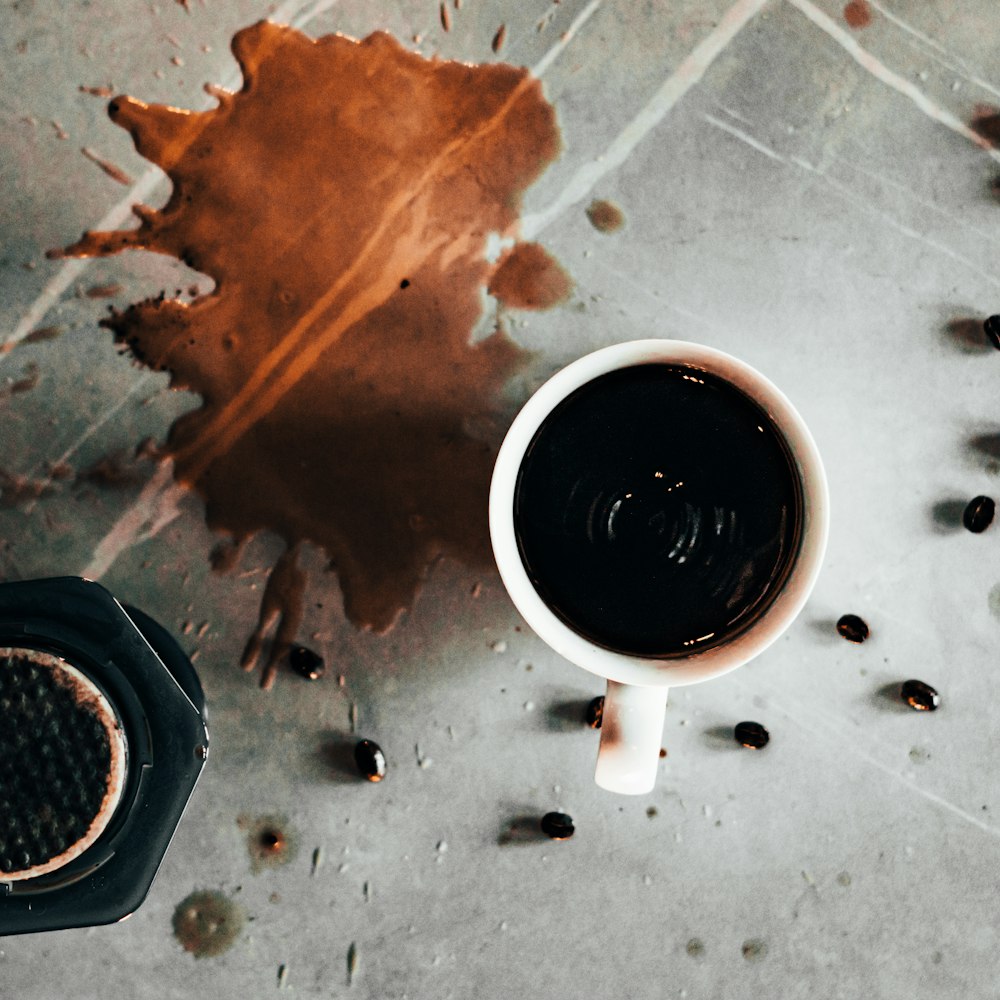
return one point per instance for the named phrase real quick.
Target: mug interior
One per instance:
(743, 645)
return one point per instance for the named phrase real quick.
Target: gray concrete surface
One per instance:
(800, 193)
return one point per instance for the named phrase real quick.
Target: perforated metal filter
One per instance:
(62, 763)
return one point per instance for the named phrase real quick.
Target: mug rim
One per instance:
(701, 664)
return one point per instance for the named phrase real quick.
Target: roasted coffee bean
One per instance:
(992, 330)
(558, 826)
(853, 628)
(919, 696)
(751, 734)
(979, 513)
(306, 663)
(370, 760)
(595, 712)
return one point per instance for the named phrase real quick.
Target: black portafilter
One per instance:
(102, 740)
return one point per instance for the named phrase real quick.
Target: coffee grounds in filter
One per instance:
(61, 763)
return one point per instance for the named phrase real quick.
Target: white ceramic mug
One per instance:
(636, 697)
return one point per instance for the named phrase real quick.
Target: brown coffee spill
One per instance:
(445, 17)
(340, 407)
(499, 38)
(528, 277)
(270, 843)
(858, 13)
(96, 91)
(208, 923)
(605, 216)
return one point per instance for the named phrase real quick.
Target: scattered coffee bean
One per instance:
(992, 329)
(306, 663)
(853, 628)
(919, 696)
(595, 712)
(979, 513)
(752, 735)
(370, 760)
(558, 826)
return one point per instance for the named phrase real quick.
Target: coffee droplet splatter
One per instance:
(696, 948)
(370, 760)
(270, 843)
(605, 216)
(595, 712)
(991, 327)
(919, 696)
(338, 407)
(853, 628)
(752, 735)
(558, 826)
(754, 949)
(306, 663)
(858, 13)
(528, 277)
(978, 514)
(207, 923)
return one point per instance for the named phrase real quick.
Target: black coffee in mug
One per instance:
(658, 510)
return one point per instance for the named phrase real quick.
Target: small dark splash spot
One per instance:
(652, 812)
(663, 752)
(405, 283)
(270, 842)
(754, 949)
(858, 13)
(695, 948)
(937, 958)
(919, 755)
(208, 923)
(844, 879)
(605, 216)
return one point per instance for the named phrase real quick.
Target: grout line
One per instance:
(892, 79)
(578, 22)
(685, 76)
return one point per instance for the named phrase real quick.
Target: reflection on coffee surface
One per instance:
(658, 510)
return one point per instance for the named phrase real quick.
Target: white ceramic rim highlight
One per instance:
(698, 666)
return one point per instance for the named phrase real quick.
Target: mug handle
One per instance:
(631, 732)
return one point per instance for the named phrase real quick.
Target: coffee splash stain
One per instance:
(208, 923)
(528, 277)
(858, 14)
(605, 216)
(270, 841)
(341, 201)
(112, 170)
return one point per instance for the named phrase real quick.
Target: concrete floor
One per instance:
(799, 192)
